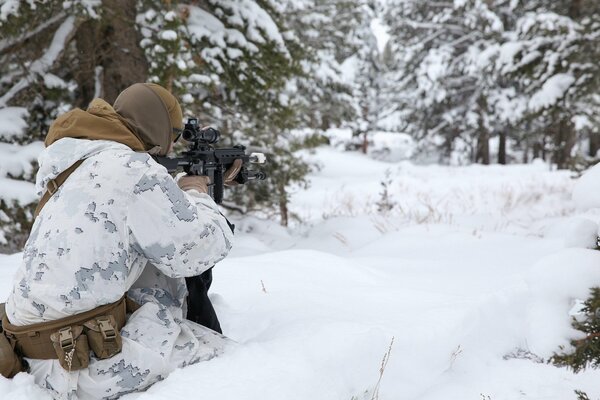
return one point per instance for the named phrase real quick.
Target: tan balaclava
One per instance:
(152, 113)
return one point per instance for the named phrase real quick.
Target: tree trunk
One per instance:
(564, 140)
(594, 144)
(525, 159)
(483, 147)
(502, 148)
(537, 150)
(483, 140)
(88, 57)
(283, 206)
(123, 60)
(544, 148)
(111, 43)
(575, 9)
(365, 143)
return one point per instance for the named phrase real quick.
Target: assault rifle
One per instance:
(201, 158)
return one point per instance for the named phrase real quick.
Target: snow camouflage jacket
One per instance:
(119, 223)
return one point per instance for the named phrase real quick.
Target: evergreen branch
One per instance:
(7, 44)
(431, 25)
(585, 339)
(40, 66)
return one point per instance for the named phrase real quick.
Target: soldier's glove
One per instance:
(231, 173)
(194, 182)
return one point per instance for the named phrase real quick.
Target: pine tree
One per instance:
(586, 351)
(248, 62)
(322, 93)
(367, 80)
(550, 60)
(440, 93)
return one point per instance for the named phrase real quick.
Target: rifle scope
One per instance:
(193, 133)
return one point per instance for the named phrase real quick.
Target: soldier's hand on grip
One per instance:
(231, 172)
(194, 182)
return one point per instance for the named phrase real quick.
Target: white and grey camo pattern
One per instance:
(118, 224)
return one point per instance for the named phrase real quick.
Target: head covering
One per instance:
(152, 113)
(173, 107)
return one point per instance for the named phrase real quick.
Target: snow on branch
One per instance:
(15, 161)
(9, 7)
(551, 92)
(45, 62)
(433, 25)
(8, 43)
(12, 122)
(260, 27)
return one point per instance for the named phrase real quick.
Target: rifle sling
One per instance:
(53, 186)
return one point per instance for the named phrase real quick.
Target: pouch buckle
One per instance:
(106, 329)
(52, 186)
(65, 338)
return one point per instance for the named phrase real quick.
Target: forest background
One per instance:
(456, 82)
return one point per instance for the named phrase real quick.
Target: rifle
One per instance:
(201, 158)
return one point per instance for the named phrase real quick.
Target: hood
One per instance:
(152, 113)
(65, 152)
(99, 122)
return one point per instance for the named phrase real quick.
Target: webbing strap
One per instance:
(53, 186)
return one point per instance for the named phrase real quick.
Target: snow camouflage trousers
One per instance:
(118, 224)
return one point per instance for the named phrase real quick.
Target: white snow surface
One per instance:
(587, 191)
(474, 273)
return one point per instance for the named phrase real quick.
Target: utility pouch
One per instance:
(71, 347)
(10, 362)
(103, 336)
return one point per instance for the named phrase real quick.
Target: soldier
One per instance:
(97, 308)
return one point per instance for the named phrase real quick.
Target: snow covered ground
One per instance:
(473, 273)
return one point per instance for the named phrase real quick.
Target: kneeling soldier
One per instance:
(98, 305)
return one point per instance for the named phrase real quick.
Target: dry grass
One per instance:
(341, 238)
(500, 207)
(384, 362)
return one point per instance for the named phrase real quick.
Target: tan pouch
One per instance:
(10, 363)
(103, 336)
(71, 347)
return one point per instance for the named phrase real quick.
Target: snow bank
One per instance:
(556, 283)
(586, 193)
(470, 314)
